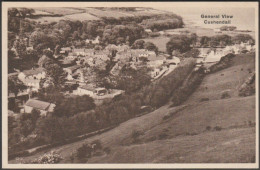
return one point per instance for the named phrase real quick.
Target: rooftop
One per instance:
(34, 71)
(38, 104)
(88, 87)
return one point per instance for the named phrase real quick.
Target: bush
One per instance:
(96, 144)
(162, 136)
(208, 128)
(225, 95)
(107, 150)
(224, 62)
(50, 158)
(204, 99)
(135, 135)
(188, 87)
(84, 151)
(217, 128)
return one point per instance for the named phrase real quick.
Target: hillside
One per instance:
(215, 130)
(55, 14)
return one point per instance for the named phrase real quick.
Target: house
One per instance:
(161, 32)
(93, 41)
(70, 71)
(213, 56)
(43, 107)
(35, 73)
(82, 51)
(155, 72)
(65, 50)
(118, 48)
(174, 60)
(86, 90)
(148, 30)
(32, 78)
(156, 61)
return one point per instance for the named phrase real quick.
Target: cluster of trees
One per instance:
(214, 41)
(162, 24)
(17, 19)
(223, 40)
(122, 34)
(141, 44)
(181, 43)
(243, 38)
(188, 87)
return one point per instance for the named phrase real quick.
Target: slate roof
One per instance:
(38, 104)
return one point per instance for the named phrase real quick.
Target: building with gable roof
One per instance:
(43, 107)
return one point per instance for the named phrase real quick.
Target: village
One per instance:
(77, 61)
(97, 84)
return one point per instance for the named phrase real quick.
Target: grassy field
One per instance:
(213, 131)
(61, 11)
(86, 13)
(107, 13)
(81, 17)
(160, 42)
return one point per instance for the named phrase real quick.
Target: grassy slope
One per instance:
(183, 137)
(88, 13)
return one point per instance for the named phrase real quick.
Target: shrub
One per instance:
(217, 128)
(188, 87)
(224, 62)
(162, 136)
(204, 99)
(96, 145)
(50, 158)
(225, 95)
(84, 151)
(107, 150)
(208, 128)
(135, 135)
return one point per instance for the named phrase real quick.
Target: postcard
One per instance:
(130, 85)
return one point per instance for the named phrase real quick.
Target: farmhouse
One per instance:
(91, 91)
(43, 107)
(32, 78)
(35, 73)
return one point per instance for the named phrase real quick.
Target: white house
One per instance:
(35, 73)
(43, 107)
(93, 41)
(148, 30)
(161, 32)
(32, 78)
(70, 71)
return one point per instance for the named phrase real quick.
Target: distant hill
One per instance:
(51, 14)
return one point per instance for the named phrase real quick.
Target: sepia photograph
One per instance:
(130, 85)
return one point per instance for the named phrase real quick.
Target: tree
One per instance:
(50, 94)
(138, 44)
(55, 75)
(131, 80)
(242, 38)
(178, 42)
(193, 38)
(204, 40)
(72, 106)
(44, 61)
(15, 85)
(151, 47)
(20, 48)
